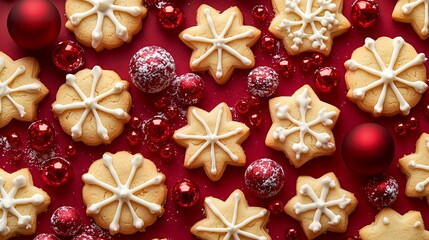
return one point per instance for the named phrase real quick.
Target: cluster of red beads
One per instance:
(410, 125)
(249, 108)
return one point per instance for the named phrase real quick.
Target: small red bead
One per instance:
(381, 190)
(400, 129)
(41, 135)
(285, 68)
(136, 122)
(318, 60)
(13, 139)
(307, 65)
(242, 107)
(254, 101)
(170, 16)
(326, 79)
(186, 193)
(66, 221)
(255, 119)
(56, 172)
(260, 13)
(291, 234)
(365, 13)
(268, 44)
(167, 152)
(71, 150)
(158, 129)
(46, 236)
(152, 147)
(190, 88)
(68, 56)
(412, 124)
(17, 155)
(134, 138)
(276, 207)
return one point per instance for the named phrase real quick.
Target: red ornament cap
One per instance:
(66, 221)
(186, 193)
(365, 13)
(68, 56)
(264, 178)
(41, 135)
(326, 79)
(56, 172)
(170, 16)
(381, 190)
(46, 236)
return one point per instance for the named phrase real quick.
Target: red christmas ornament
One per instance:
(260, 13)
(291, 234)
(170, 16)
(134, 138)
(56, 172)
(66, 221)
(381, 190)
(158, 129)
(307, 65)
(318, 60)
(136, 122)
(285, 68)
(242, 107)
(167, 152)
(368, 149)
(14, 139)
(268, 44)
(412, 124)
(189, 88)
(255, 119)
(400, 129)
(41, 135)
(68, 56)
(186, 193)
(152, 69)
(34, 24)
(71, 150)
(264, 178)
(262, 81)
(46, 236)
(326, 79)
(276, 207)
(365, 13)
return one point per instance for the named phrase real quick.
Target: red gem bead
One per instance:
(158, 129)
(268, 44)
(16, 155)
(68, 56)
(56, 172)
(66, 221)
(400, 129)
(264, 178)
(381, 190)
(170, 16)
(255, 119)
(260, 13)
(276, 207)
(285, 68)
(46, 236)
(186, 193)
(190, 88)
(254, 101)
(167, 152)
(71, 150)
(13, 139)
(318, 60)
(41, 135)
(307, 65)
(291, 234)
(412, 124)
(365, 13)
(134, 138)
(326, 79)
(242, 107)
(136, 122)
(152, 147)
(262, 81)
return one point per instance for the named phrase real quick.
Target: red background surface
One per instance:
(176, 221)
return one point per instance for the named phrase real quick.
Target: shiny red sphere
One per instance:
(134, 138)
(41, 135)
(285, 68)
(255, 119)
(260, 13)
(307, 65)
(262, 81)
(381, 190)
(66, 221)
(326, 79)
(56, 172)
(365, 13)
(170, 16)
(268, 44)
(276, 207)
(264, 178)
(186, 193)
(68, 56)
(189, 88)
(158, 129)
(71, 150)
(14, 139)
(45, 236)
(167, 152)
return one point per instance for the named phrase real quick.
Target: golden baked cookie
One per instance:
(212, 140)
(232, 219)
(104, 23)
(20, 89)
(20, 203)
(321, 205)
(389, 225)
(308, 25)
(220, 42)
(124, 193)
(415, 12)
(302, 126)
(386, 77)
(92, 106)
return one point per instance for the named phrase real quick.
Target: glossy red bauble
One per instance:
(412, 124)
(400, 129)
(189, 88)
(242, 107)
(260, 13)
(381, 190)
(66, 221)
(262, 81)
(307, 65)
(71, 150)
(41, 135)
(276, 207)
(365, 13)
(326, 79)
(14, 139)
(186, 193)
(285, 68)
(56, 172)
(268, 44)
(264, 178)
(158, 130)
(134, 138)
(68, 56)
(136, 122)
(46, 236)
(167, 152)
(255, 119)
(368, 149)
(170, 16)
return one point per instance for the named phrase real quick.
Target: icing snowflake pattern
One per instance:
(122, 192)
(90, 104)
(232, 229)
(320, 204)
(387, 75)
(323, 15)
(8, 204)
(105, 8)
(220, 43)
(5, 90)
(304, 127)
(409, 7)
(420, 187)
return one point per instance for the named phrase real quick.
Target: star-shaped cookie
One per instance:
(415, 12)
(232, 219)
(212, 140)
(321, 205)
(220, 42)
(308, 25)
(416, 167)
(389, 225)
(20, 89)
(302, 126)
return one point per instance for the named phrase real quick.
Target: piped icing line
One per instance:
(90, 104)
(211, 138)
(105, 8)
(8, 204)
(408, 8)
(388, 76)
(324, 15)
(232, 229)
(220, 42)
(5, 90)
(122, 193)
(420, 187)
(304, 127)
(320, 205)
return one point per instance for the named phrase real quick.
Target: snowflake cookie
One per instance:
(104, 23)
(232, 219)
(416, 167)
(386, 77)
(212, 140)
(124, 193)
(415, 12)
(92, 106)
(220, 42)
(302, 126)
(308, 25)
(321, 205)
(20, 89)
(389, 225)
(20, 203)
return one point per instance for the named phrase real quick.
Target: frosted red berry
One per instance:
(262, 81)
(56, 172)
(381, 190)
(170, 16)
(68, 56)
(326, 79)
(264, 178)
(66, 221)
(189, 88)
(41, 135)
(186, 193)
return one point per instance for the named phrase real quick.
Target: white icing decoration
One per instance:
(409, 7)
(220, 42)
(386, 221)
(105, 8)
(5, 90)
(8, 204)
(420, 187)
(320, 205)
(388, 75)
(304, 127)
(417, 224)
(90, 104)
(232, 229)
(324, 15)
(122, 192)
(211, 138)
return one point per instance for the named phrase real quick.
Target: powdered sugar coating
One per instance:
(382, 190)
(262, 81)
(264, 177)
